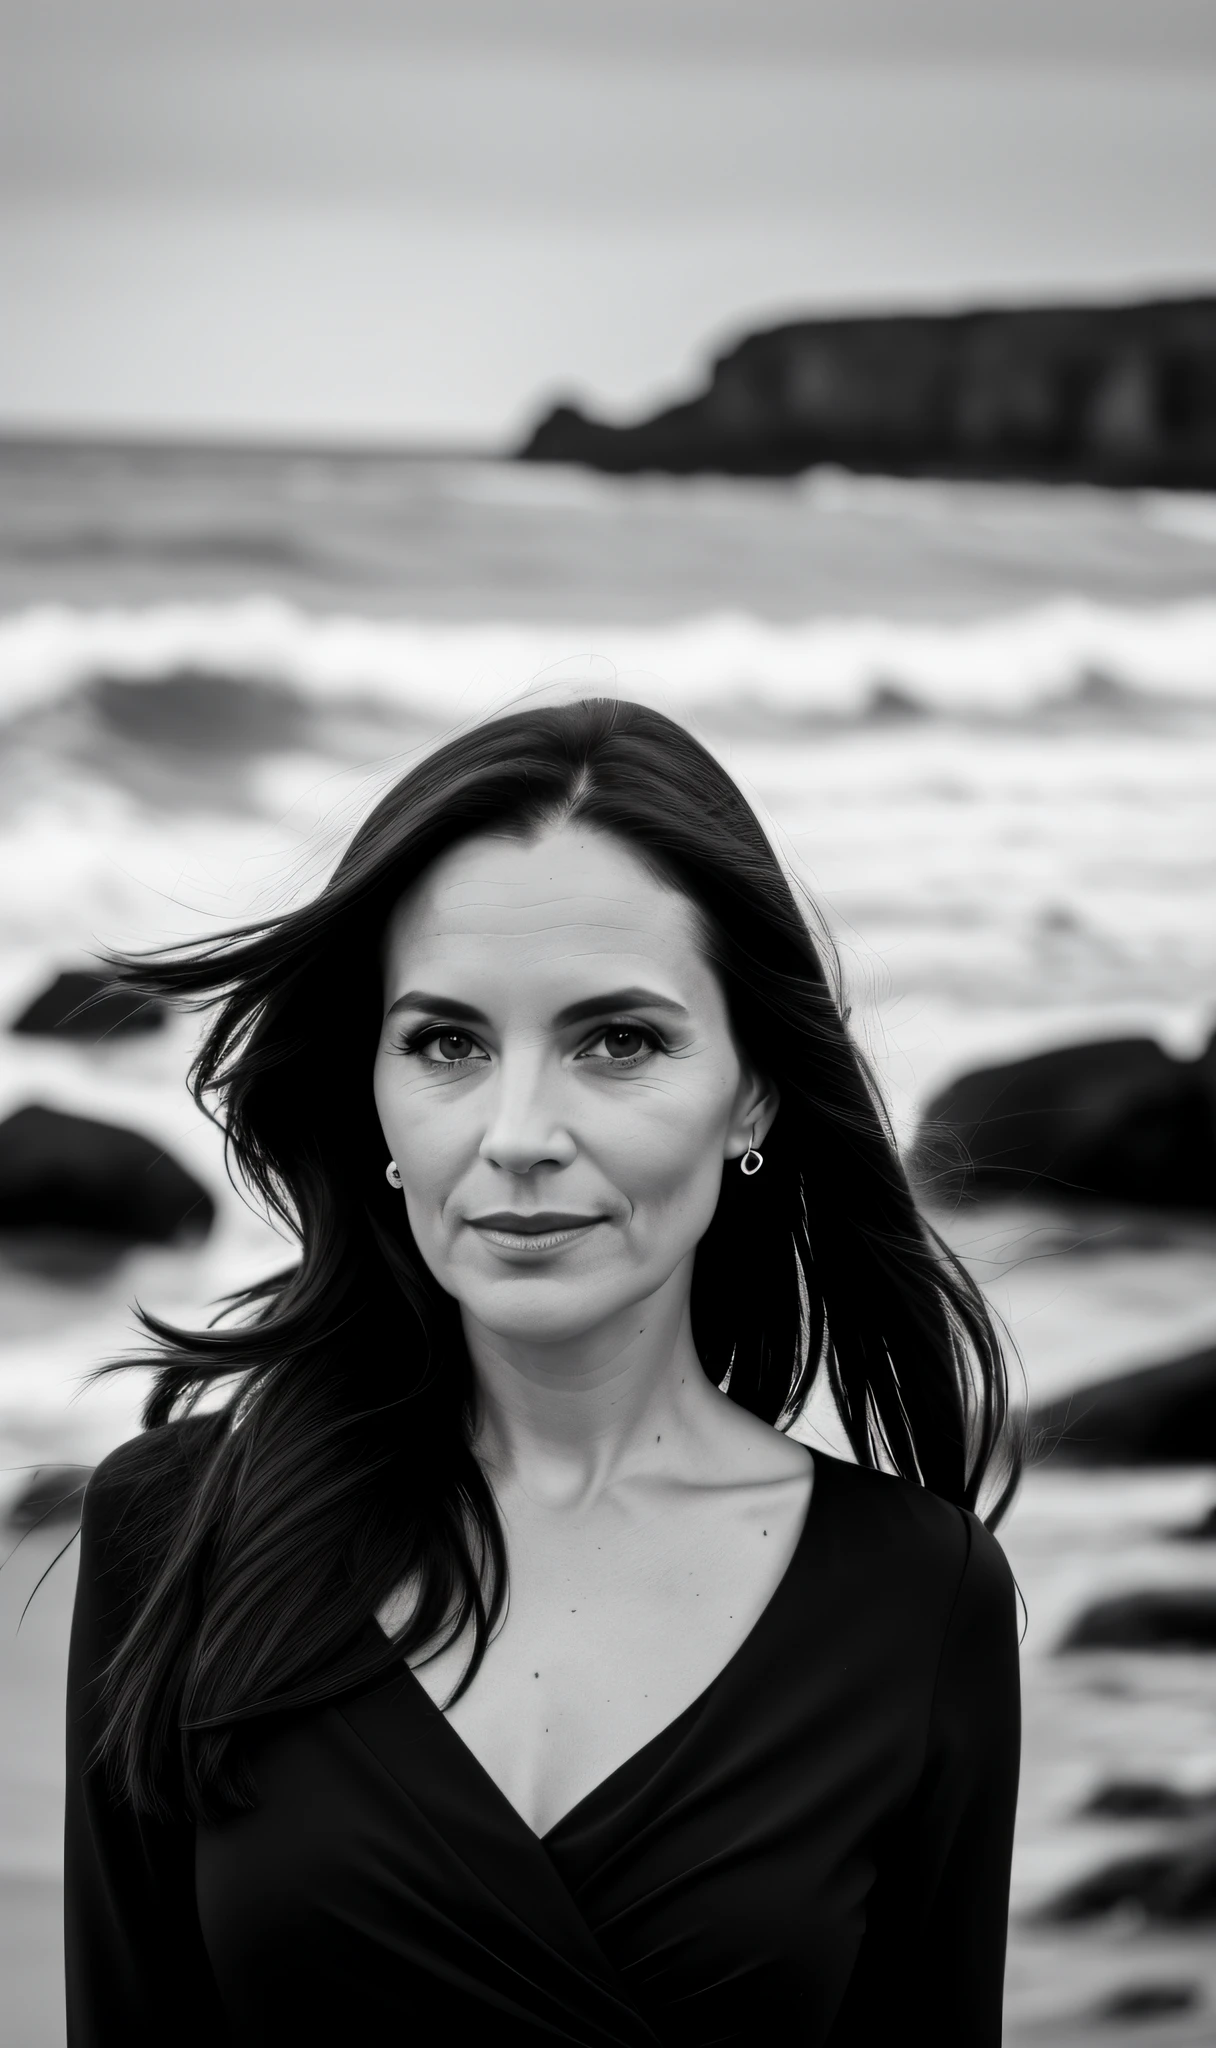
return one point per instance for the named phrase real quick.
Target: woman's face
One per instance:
(557, 1080)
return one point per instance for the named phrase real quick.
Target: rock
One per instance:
(191, 710)
(69, 1177)
(1143, 1799)
(1128, 1881)
(1202, 1531)
(1104, 394)
(1176, 1884)
(890, 704)
(1155, 1618)
(1149, 2001)
(89, 1008)
(1119, 1120)
(52, 1497)
(1158, 1415)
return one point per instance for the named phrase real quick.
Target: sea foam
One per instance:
(726, 664)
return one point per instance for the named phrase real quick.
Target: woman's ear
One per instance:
(759, 1101)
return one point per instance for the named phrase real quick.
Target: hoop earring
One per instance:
(756, 1158)
(392, 1174)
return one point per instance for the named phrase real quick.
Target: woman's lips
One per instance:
(535, 1236)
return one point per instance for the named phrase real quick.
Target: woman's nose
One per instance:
(525, 1129)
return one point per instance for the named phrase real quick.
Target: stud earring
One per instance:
(756, 1158)
(392, 1174)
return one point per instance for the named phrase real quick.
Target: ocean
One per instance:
(980, 722)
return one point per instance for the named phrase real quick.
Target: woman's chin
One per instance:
(536, 1309)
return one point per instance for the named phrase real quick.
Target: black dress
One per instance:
(816, 1851)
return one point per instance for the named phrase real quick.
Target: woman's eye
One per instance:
(627, 1044)
(443, 1048)
(618, 1045)
(453, 1045)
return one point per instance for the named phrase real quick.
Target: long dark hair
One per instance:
(341, 1460)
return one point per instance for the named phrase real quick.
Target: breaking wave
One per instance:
(727, 666)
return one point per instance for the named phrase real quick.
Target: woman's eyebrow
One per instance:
(573, 1013)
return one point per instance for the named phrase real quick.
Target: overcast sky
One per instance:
(357, 218)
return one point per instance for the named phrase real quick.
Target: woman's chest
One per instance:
(376, 1868)
(611, 1633)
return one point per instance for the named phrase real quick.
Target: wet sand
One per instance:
(33, 1659)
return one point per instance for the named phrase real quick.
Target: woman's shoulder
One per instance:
(910, 1533)
(133, 1502)
(145, 1477)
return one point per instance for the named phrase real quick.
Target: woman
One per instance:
(589, 1182)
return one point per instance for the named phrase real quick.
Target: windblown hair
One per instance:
(342, 1458)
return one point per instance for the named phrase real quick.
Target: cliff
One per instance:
(1100, 394)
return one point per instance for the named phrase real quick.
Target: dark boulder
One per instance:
(1117, 1121)
(1157, 1415)
(191, 711)
(89, 1008)
(1143, 1799)
(1173, 1884)
(1150, 2001)
(52, 1497)
(1202, 1531)
(1108, 394)
(1155, 1618)
(71, 1177)
(890, 704)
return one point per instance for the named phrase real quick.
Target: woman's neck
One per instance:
(564, 1422)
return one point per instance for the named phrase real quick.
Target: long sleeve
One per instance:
(136, 1970)
(932, 1961)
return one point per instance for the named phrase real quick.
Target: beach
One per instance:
(980, 723)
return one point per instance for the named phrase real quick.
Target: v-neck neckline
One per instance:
(671, 1728)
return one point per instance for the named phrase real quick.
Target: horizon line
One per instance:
(187, 440)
